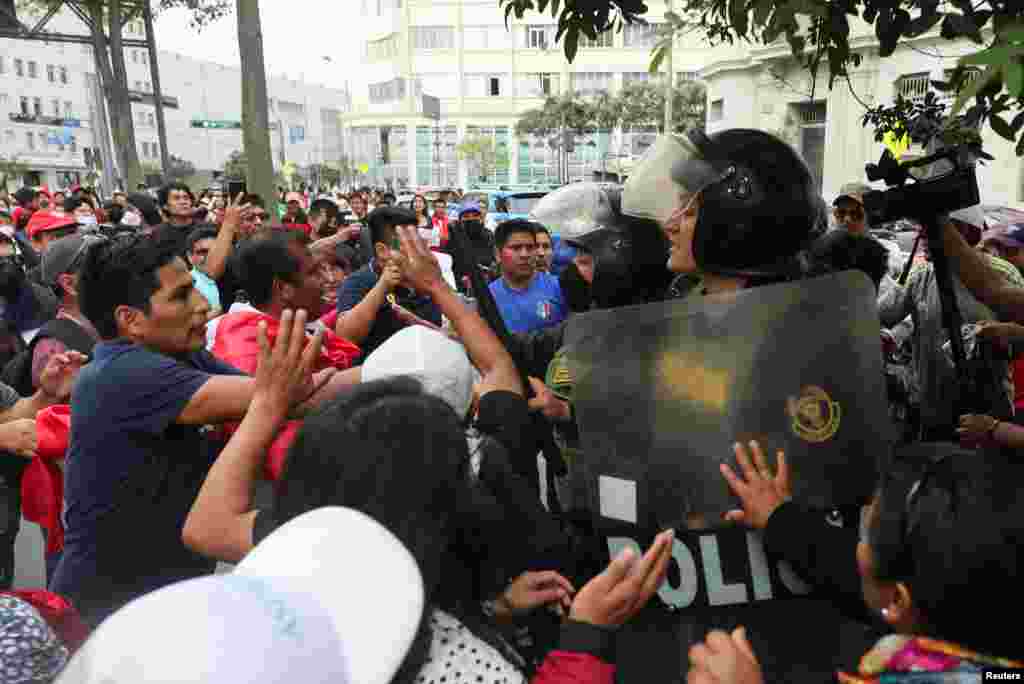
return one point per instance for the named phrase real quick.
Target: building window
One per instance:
(4, 99)
(433, 37)
(602, 40)
(138, 86)
(74, 145)
(30, 138)
(19, 68)
(51, 73)
(486, 85)
(33, 70)
(591, 82)
(914, 86)
(717, 112)
(146, 87)
(539, 37)
(3, 64)
(42, 140)
(686, 77)
(539, 85)
(37, 106)
(59, 140)
(135, 56)
(56, 108)
(641, 36)
(25, 110)
(67, 108)
(145, 149)
(438, 85)
(143, 57)
(149, 120)
(64, 75)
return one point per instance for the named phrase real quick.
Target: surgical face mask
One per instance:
(89, 220)
(131, 219)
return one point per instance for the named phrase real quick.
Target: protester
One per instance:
(1007, 243)
(439, 220)
(142, 206)
(528, 300)
(137, 450)
(323, 219)
(48, 226)
(26, 305)
(33, 653)
(939, 522)
(18, 444)
(365, 314)
(177, 204)
(481, 242)
(545, 250)
(335, 266)
(81, 208)
(935, 380)
(201, 242)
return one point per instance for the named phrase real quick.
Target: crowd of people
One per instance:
(312, 389)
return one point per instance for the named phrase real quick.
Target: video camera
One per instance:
(949, 185)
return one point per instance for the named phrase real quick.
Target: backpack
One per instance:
(18, 371)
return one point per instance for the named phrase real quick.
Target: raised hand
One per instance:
(59, 375)
(419, 265)
(759, 492)
(284, 376)
(724, 659)
(626, 585)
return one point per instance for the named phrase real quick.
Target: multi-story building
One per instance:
(50, 109)
(46, 109)
(759, 86)
(485, 75)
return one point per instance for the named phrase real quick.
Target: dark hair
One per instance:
(165, 192)
(325, 206)
(260, 262)
(114, 212)
(541, 229)
(204, 232)
(122, 272)
(382, 424)
(426, 205)
(74, 202)
(255, 200)
(383, 221)
(948, 524)
(507, 229)
(24, 196)
(388, 197)
(840, 250)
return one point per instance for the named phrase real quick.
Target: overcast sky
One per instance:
(297, 35)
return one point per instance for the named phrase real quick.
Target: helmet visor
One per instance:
(666, 177)
(574, 211)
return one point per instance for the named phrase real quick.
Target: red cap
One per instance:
(43, 221)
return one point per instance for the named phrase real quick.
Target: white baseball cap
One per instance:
(439, 363)
(330, 597)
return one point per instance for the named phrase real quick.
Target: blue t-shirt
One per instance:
(541, 305)
(131, 475)
(354, 288)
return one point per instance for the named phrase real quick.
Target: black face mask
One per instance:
(12, 277)
(577, 292)
(473, 227)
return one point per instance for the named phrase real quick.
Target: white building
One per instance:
(757, 86)
(484, 75)
(49, 109)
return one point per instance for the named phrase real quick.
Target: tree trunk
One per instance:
(132, 170)
(116, 96)
(255, 118)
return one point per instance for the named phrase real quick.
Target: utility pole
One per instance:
(158, 94)
(669, 85)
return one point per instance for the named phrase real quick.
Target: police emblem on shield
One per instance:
(815, 416)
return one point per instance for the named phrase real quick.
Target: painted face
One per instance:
(517, 256)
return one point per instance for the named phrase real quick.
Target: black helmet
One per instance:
(629, 254)
(758, 210)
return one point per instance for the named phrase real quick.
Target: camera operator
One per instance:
(981, 278)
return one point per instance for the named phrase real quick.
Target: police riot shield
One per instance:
(662, 391)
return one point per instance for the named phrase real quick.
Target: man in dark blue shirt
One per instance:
(373, 303)
(137, 455)
(527, 299)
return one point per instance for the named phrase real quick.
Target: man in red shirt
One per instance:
(439, 240)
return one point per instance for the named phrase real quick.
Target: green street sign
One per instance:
(207, 123)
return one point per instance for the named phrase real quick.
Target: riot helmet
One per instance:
(759, 206)
(629, 254)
